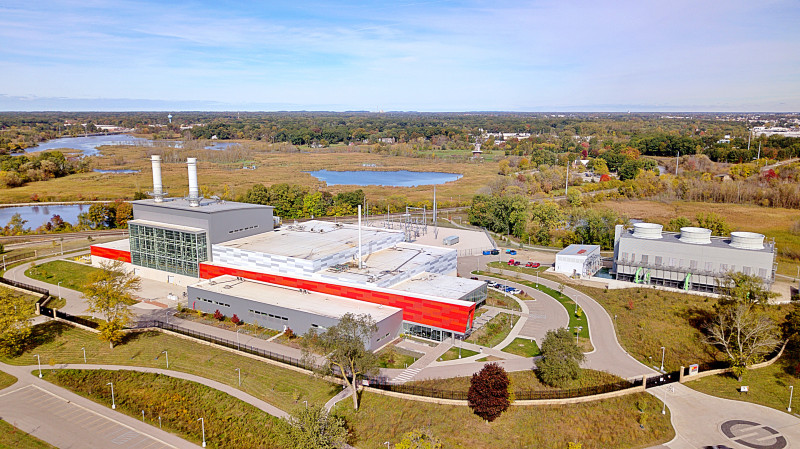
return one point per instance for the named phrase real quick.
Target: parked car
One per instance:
(533, 264)
(514, 291)
(487, 252)
(474, 278)
(511, 261)
(511, 251)
(495, 252)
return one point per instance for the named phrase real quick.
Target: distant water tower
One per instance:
(170, 118)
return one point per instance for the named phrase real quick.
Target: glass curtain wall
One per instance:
(178, 252)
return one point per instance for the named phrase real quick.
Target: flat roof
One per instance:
(439, 285)
(311, 240)
(158, 224)
(673, 238)
(292, 298)
(578, 250)
(206, 205)
(121, 245)
(390, 262)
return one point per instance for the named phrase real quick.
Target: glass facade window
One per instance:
(478, 296)
(178, 252)
(426, 332)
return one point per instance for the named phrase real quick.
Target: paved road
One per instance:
(702, 421)
(76, 304)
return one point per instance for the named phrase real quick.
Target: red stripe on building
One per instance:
(113, 254)
(453, 317)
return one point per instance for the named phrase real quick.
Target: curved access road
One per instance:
(76, 303)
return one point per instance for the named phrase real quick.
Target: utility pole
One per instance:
(677, 161)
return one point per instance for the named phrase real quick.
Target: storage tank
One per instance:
(695, 236)
(648, 231)
(747, 240)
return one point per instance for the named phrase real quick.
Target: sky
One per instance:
(403, 55)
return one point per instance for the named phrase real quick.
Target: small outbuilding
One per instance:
(579, 260)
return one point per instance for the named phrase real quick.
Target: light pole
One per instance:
(142, 415)
(577, 333)
(387, 444)
(159, 421)
(240, 376)
(306, 403)
(662, 359)
(167, 355)
(791, 393)
(39, 362)
(238, 347)
(664, 408)
(113, 403)
(203, 428)
(84, 354)
(166, 316)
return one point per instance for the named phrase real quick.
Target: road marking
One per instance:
(753, 435)
(407, 375)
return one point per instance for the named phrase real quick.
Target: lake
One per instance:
(397, 178)
(88, 145)
(39, 215)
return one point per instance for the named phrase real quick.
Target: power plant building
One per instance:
(692, 259)
(232, 258)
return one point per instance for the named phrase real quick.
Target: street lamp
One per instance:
(664, 408)
(306, 403)
(791, 393)
(113, 403)
(577, 333)
(59, 289)
(662, 359)
(84, 354)
(203, 427)
(167, 355)
(238, 348)
(142, 415)
(240, 376)
(166, 316)
(387, 444)
(39, 361)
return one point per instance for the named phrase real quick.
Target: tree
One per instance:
(124, 213)
(739, 288)
(677, 223)
(744, 334)
(313, 427)
(108, 292)
(16, 225)
(14, 325)
(628, 170)
(574, 197)
(600, 167)
(97, 215)
(419, 439)
(488, 394)
(713, 222)
(345, 346)
(561, 358)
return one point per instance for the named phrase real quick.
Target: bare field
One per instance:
(272, 167)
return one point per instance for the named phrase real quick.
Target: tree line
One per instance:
(115, 214)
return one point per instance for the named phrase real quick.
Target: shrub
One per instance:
(235, 319)
(218, 315)
(488, 392)
(289, 333)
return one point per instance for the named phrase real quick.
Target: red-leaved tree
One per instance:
(488, 395)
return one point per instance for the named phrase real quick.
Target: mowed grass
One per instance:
(6, 380)
(58, 343)
(523, 381)
(525, 347)
(71, 275)
(13, 438)
(495, 331)
(229, 422)
(382, 418)
(453, 354)
(768, 386)
(272, 167)
(394, 357)
(495, 298)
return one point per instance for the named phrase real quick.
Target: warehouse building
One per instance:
(579, 260)
(692, 259)
(187, 240)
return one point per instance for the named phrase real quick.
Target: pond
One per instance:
(604, 273)
(39, 215)
(397, 178)
(89, 145)
(120, 170)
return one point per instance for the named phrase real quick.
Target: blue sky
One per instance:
(708, 55)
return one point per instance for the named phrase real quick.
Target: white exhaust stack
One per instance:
(194, 189)
(360, 265)
(158, 192)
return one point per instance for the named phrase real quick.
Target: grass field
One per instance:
(6, 380)
(452, 354)
(382, 418)
(59, 343)
(495, 331)
(770, 221)
(218, 169)
(229, 422)
(394, 357)
(71, 275)
(522, 381)
(497, 299)
(768, 386)
(525, 347)
(13, 438)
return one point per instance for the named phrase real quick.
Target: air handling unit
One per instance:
(691, 259)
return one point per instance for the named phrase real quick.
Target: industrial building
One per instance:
(692, 259)
(579, 260)
(232, 257)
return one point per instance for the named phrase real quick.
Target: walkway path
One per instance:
(76, 304)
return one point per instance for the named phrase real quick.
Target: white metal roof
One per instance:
(440, 285)
(579, 250)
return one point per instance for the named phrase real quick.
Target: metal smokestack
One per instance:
(194, 189)
(360, 263)
(158, 192)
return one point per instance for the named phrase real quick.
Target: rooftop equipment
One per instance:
(194, 189)
(450, 240)
(747, 240)
(648, 231)
(158, 192)
(695, 236)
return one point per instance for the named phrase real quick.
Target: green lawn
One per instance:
(452, 354)
(521, 381)
(394, 357)
(768, 386)
(13, 438)
(71, 275)
(59, 343)
(495, 331)
(525, 347)
(229, 422)
(6, 380)
(497, 299)
(383, 418)
(519, 268)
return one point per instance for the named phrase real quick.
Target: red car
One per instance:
(533, 264)
(511, 262)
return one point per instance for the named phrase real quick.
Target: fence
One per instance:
(55, 313)
(17, 257)
(225, 342)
